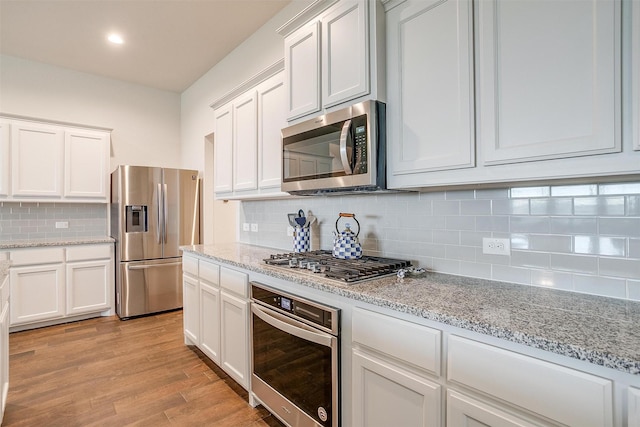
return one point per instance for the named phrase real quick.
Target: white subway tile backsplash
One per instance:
(593, 245)
(443, 231)
(506, 273)
(600, 286)
(554, 206)
(599, 206)
(529, 192)
(552, 279)
(577, 263)
(528, 224)
(574, 190)
(619, 226)
(620, 267)
(510, 207)
(561, 225)
(529, 259)
(621, 188)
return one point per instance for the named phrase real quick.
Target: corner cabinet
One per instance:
(332, 56)
(536, 92)
(216, 315)
(53, 162)
(247, 138)
(635, 74)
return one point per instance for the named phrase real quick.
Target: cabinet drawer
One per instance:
(36, 256)
(409, 342)
(88, 252)
(565, 395)
(210, 272)
(190, 265)
(234, 281)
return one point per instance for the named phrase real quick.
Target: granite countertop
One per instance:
(600, 330)
(64, 241)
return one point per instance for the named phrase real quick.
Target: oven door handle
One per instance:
(293, 327)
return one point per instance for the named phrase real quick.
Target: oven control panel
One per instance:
(309, 311)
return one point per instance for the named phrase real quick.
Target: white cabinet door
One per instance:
(386, 395)
(302, 65)
(430, 106)
(88, 286)
(465, 411)
(234, 336)
(37, 159)
(223, 150)
(634, 407)
(345, 52)
(37, 293)
(191, 308)
(272, 118)
(635, 73)
(4, 346)
(548, 79)
(4, 158)
(210, 321)
(86, 165)
(245, 143)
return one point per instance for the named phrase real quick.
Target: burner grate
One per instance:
(350, 271)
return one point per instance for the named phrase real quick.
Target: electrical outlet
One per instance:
(245, 226)
(290, 231)
(254, 228)
(62, 224)
(496, 246)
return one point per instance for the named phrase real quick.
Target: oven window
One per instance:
(298, 369)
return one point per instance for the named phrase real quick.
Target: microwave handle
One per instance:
(346, 164)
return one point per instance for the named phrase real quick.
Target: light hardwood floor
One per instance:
(107, 372)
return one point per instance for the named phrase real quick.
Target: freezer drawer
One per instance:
(149, 287)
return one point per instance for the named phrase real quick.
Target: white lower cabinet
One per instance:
(387, 395)
(60, 283)
(4, 345)
(465, 411)
(634, 407)
(216, 314)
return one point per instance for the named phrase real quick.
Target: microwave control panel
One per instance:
(360, 145)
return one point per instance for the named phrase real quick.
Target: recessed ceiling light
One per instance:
(115, 38)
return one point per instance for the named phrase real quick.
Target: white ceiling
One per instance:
(168, 45)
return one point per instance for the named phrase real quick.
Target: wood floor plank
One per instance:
(108, 372)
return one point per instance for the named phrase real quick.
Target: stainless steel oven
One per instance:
(295, 349)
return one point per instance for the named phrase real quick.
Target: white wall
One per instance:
(262, 49)
(145, 121)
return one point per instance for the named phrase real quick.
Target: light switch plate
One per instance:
(254, 228)
(62, 224)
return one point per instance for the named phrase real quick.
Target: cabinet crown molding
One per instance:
(263, 75)
(306, 15)
(9, 116)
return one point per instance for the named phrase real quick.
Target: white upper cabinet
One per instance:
(271, 119)
(635, 73)
(37, 159)
(245, 142)
(332, 53)
(430, 73)
(4, 159)
(547, 77)
(41, 161)
(345, 57)
(248, 139)
(223, 149)
(302, 62)
(86, 164)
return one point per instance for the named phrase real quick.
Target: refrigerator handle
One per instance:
(159, 222)
(166, 213)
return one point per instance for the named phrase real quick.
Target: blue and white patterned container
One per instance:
(301, 239)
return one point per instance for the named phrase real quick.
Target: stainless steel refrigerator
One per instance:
(154, 211)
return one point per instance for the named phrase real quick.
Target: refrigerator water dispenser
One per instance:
(136, 219)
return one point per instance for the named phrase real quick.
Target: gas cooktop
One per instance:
(346, 270)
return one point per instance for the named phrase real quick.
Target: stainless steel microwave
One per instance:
(342, 151)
